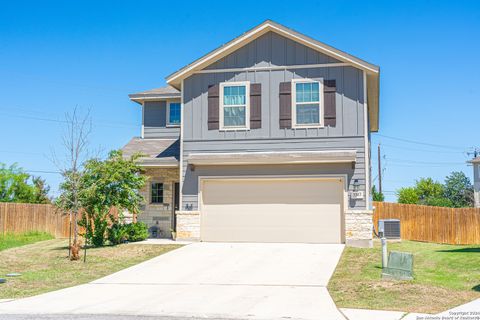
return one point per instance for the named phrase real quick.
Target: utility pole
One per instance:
(379, 170)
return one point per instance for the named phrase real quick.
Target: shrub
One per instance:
(119, 232)
(99, 231)
(137, 231)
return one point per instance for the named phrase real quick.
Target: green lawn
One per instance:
(445, 276)
(45, 267)
(11, 240)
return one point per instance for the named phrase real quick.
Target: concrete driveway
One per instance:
(211, 280)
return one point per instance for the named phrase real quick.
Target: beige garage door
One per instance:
(272, 210)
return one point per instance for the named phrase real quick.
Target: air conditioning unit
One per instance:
(390, 228)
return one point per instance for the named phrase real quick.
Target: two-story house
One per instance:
(265, 139)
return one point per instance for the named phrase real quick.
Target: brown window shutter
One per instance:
(255, 106)
(213, 105)
(285, 105)
(330, 110)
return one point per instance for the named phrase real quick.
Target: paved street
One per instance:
(95, 317)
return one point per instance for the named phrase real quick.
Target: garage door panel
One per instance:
(273, 210)
(268, 191)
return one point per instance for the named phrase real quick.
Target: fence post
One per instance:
(5, 219)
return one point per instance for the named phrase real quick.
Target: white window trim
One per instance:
(247, 106)
(294, 104)
(168, 113)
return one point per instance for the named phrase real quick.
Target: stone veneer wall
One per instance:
(359, 228)
(188, 225)
(159, 215)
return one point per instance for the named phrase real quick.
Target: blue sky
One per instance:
(91, 54)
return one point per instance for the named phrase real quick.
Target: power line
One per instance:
(65, 121)
(399, 181)
(421, 143)
(423, 165)
(421, 150)
(68, 83)
(43, 171)
(407, 161)
(21, 152)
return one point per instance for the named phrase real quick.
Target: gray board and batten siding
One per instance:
(155, 121)
(272, 49)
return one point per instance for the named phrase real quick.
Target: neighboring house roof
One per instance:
(475, 160)
(154, 94)
(157, 152)
(372, 71)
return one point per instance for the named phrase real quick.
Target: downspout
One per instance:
(367, 145)
(180, 169)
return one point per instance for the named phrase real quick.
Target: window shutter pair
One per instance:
(255, 106)
(329, 111)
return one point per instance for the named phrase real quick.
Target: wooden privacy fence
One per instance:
(24, 217)
(432, 224)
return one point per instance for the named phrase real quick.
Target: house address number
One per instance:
(357, 195)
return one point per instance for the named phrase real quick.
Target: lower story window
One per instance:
(157, 192)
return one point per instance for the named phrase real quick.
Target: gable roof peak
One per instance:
(371, 71)
(175, 78)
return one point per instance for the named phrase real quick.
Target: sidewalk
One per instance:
(470, 309)
(163, 241)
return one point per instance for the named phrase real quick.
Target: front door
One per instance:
(176, 203)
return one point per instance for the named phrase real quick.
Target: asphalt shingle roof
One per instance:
(167, 91)
(154, 150)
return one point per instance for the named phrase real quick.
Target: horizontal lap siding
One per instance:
(161, 133)
(190, 186)
(155, 122)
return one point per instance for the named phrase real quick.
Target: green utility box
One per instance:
(399, 267)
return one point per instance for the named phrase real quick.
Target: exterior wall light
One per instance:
(356, 185)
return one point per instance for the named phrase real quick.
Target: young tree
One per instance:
(425, 192)
(18, 186)
(377, 196)
(75, 142)
(456, 192)
(408, 195)
(459, 190)
(114, 182)
(41, 190)
(428, 189)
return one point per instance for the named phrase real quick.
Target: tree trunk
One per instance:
(75, 249)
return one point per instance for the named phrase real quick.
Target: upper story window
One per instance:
(157, 192)
(234, 105)
(307, 103)
(174, 113)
